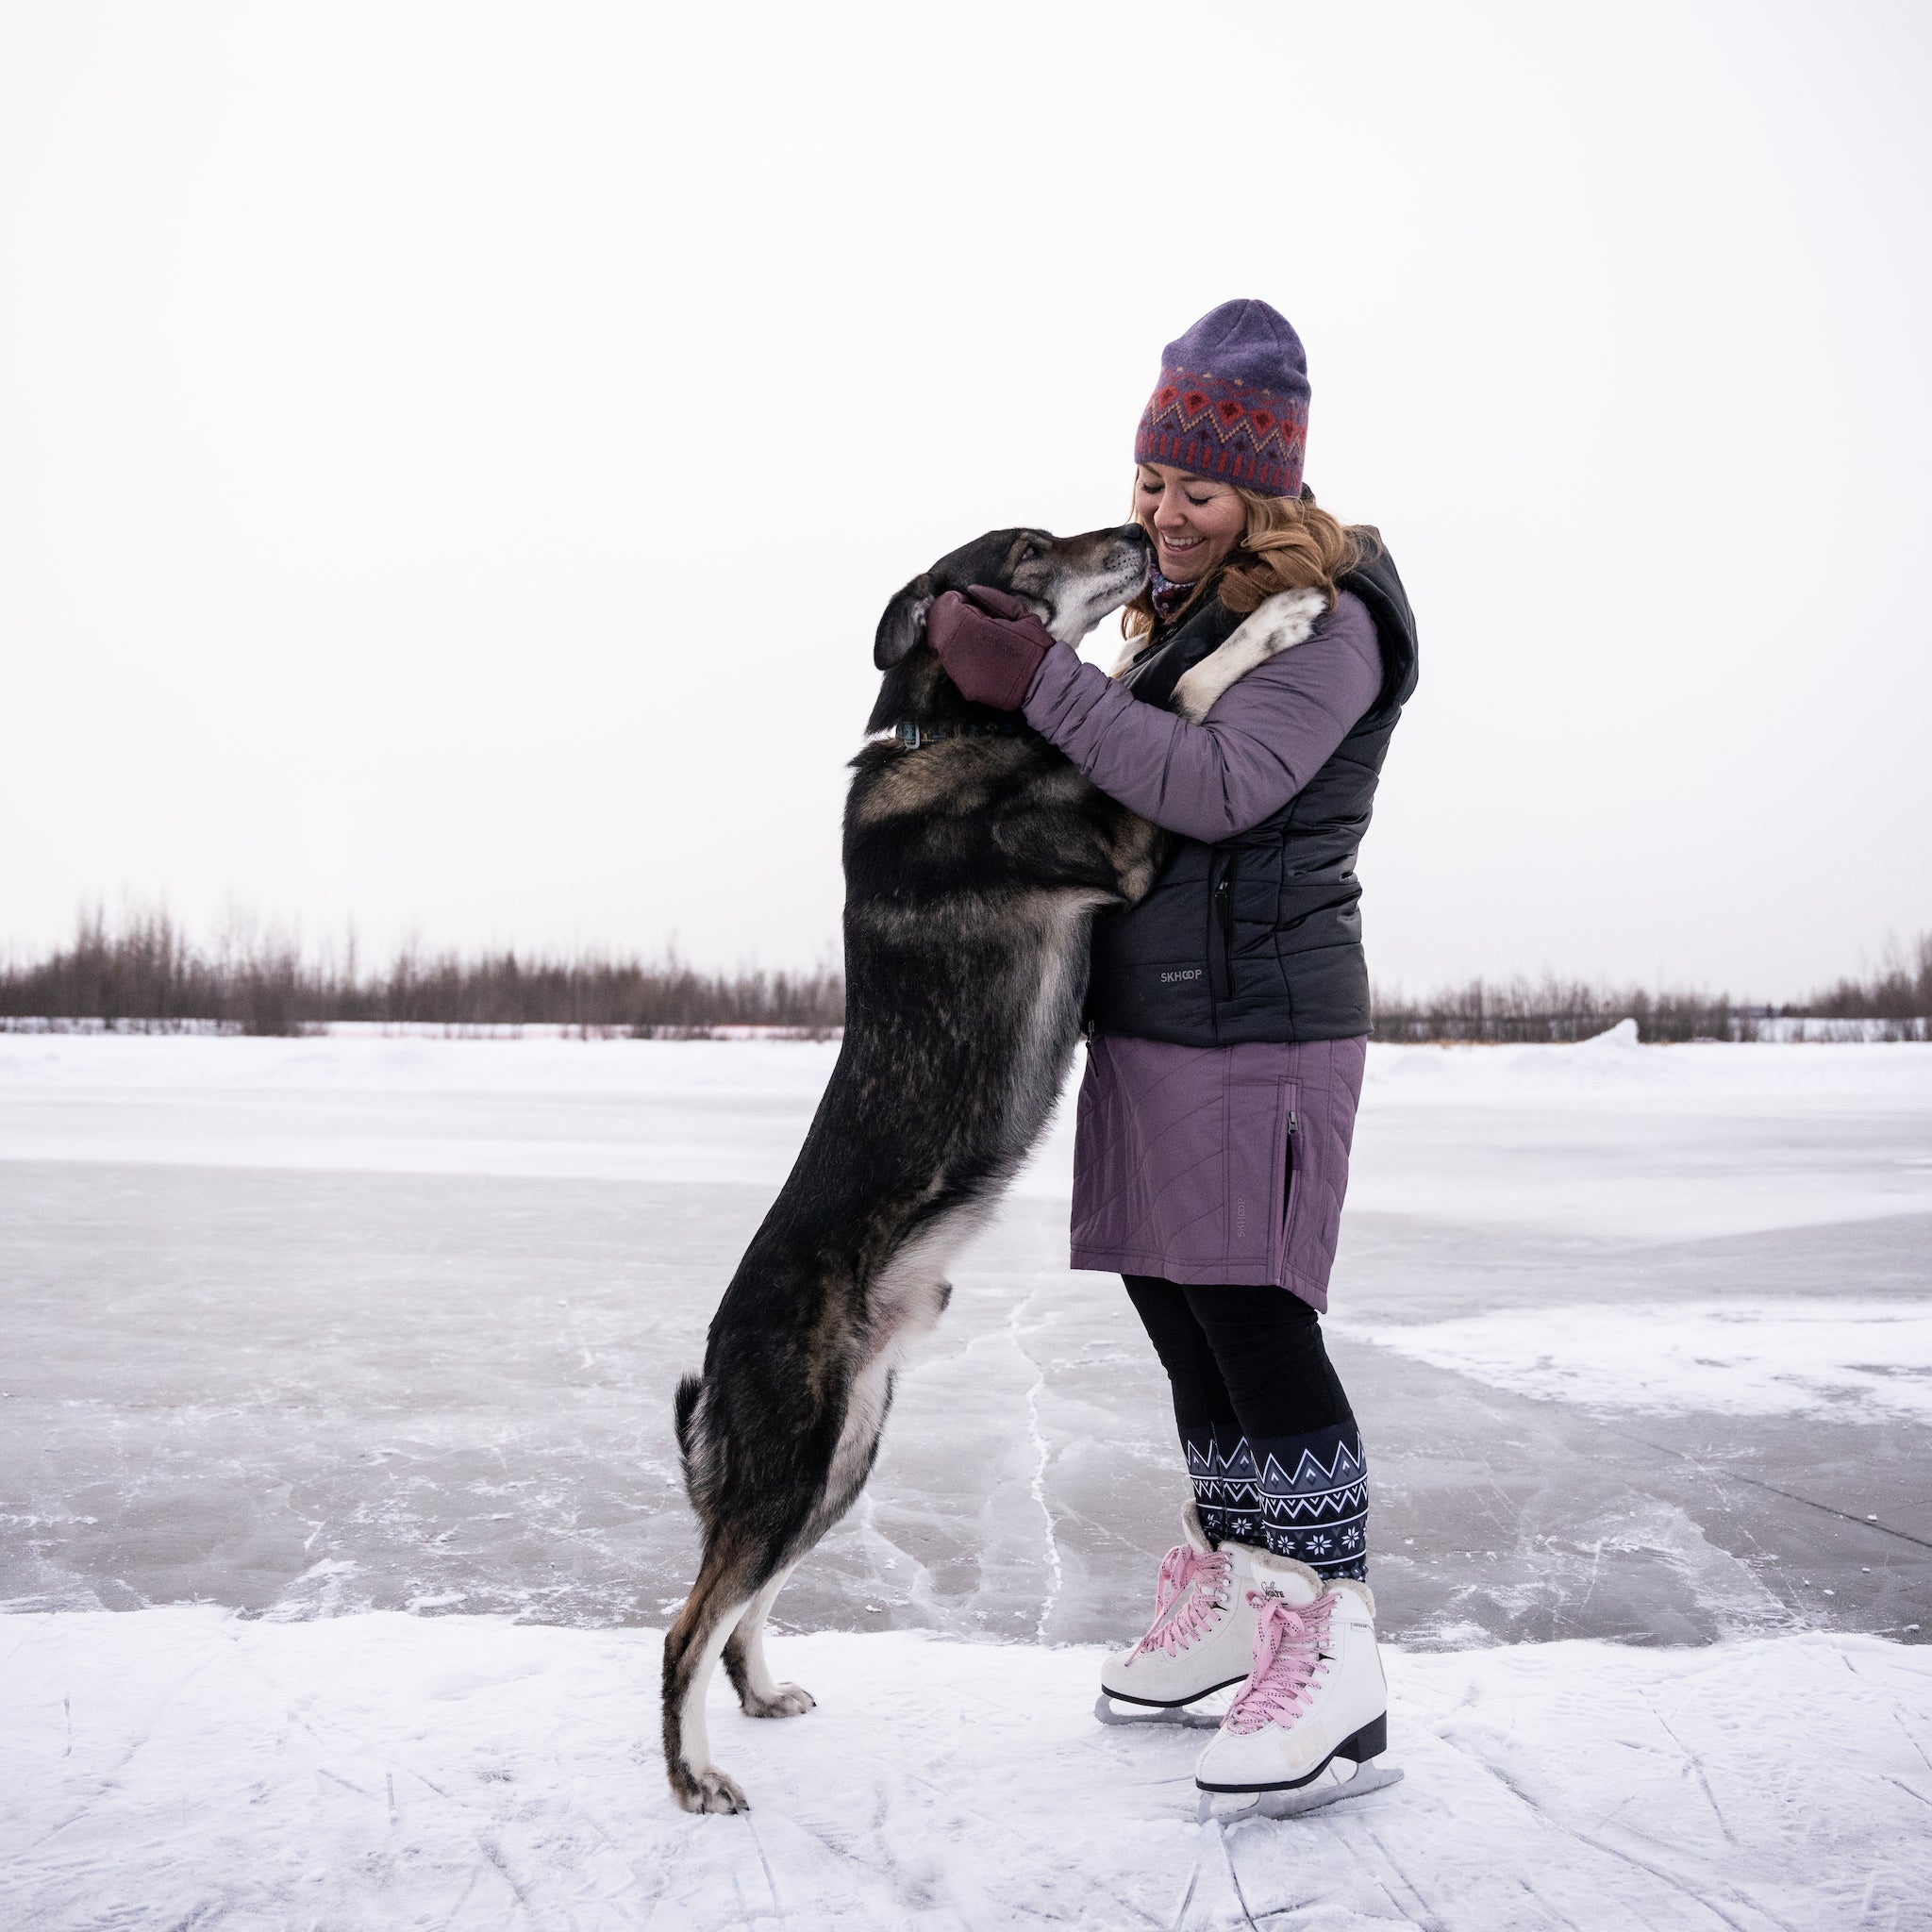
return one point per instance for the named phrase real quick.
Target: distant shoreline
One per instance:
(146, 975)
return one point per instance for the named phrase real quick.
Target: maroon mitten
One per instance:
(990, 642)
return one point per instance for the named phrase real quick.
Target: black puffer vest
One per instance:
(1258, 937)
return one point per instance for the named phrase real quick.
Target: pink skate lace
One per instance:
(1181, 1570)
(1288, 1658)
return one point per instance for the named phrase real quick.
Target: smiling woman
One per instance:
(1228, 1014)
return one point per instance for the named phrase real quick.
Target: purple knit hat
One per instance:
(1232, 402)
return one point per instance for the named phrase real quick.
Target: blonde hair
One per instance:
(1288, 543)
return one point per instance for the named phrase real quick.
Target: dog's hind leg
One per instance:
(759, 1694)
(726, 1584)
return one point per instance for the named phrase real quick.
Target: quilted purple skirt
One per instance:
(1215, 1164)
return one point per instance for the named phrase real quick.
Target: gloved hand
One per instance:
(989, 643)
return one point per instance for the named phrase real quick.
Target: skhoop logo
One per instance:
(1182, 973)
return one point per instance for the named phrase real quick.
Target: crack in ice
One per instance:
(1036, 1485)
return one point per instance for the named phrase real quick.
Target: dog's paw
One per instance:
(709, 1789)
(786, 1700)
(1287, 618)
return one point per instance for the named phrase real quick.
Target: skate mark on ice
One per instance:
(1041, 1457)
(107, 1780)
(487, 1844)
(1234, 1878)
(758, 1846)
(1047, 1845)
(456, 1911)
(1898, 1716)
(1596, 1569)
(1690, 1758)
(1737, 1475)
(322, 1771)
(839, 1840)
(1180, 1912)
(1407, 1884)
(1549, 1911)
(1597, 1843)
(477, 1822)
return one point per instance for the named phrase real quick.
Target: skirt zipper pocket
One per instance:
(1288, 1185)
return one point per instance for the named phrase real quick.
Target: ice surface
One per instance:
(1639, 1338)
(181, 1768)
(367, 1323)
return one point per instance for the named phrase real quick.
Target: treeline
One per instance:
(146, 972)
(1900, 989)
(1518, 1011)
(1898, 993)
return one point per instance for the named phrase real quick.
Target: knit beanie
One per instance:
(1232, 402)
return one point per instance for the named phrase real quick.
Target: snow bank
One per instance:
(550, 1059)
(1616, 1065)
(175, 1768)
(550, 1108)
(380, 1064)
(1610, 1141)
(1829, 1359)
(1605, 1139)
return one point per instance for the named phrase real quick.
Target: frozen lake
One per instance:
(1641, 1340)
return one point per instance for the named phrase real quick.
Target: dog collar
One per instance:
(913, 736)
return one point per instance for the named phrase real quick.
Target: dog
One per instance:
(975, 856)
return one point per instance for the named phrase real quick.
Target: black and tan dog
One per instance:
(975, 855)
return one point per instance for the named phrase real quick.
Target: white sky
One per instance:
(452, 458)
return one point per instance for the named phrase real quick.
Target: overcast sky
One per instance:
(453, 457)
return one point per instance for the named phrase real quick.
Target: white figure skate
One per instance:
(1202, 1639)
(1310, 1725)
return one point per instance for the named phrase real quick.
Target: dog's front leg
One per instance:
(1285, 620)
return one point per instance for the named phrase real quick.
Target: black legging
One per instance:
(1272, 1444)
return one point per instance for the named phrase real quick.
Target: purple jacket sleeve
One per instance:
(1266, 737)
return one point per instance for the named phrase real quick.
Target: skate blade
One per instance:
(1145, 1714)
(1328, 1788)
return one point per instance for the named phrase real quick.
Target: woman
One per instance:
(1229, 1014)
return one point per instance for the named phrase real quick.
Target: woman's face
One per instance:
(1194, 523)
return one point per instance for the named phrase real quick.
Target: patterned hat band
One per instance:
(1220, 427)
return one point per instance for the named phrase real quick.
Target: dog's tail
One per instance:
(694, 1450)
(688, 1393)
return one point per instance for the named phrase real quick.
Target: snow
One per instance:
(705, 1110)
(546, 1109)
(1859, 1361)
(338, 1370)
(1612, 1140)
(185, 1768)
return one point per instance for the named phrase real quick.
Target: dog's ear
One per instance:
(903, 623)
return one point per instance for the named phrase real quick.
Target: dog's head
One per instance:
(1069, 583)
